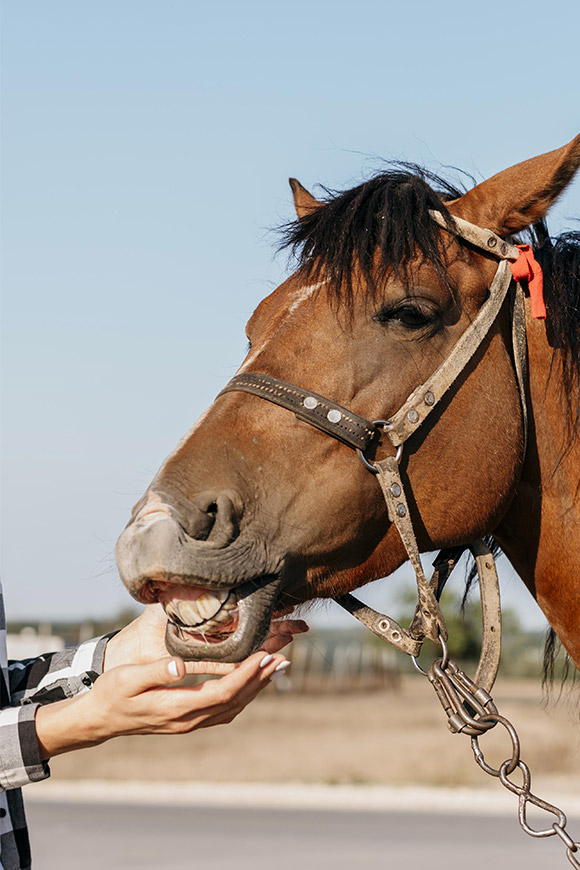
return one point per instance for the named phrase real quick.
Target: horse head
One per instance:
(255, 510)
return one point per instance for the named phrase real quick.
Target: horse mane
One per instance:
(373, 231)
(560, 260)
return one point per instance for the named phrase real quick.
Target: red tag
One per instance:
(527, 268)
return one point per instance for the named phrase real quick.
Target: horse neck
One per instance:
(540, 533)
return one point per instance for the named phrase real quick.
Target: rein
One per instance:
(360, 434)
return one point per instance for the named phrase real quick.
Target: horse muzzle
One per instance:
(214, 610)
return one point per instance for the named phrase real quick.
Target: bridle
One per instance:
(467, 703)
(360, 433)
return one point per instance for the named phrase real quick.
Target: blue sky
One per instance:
(146, 148)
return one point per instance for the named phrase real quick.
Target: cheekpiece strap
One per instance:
(425, 397)
(318, 411)
(428, 621)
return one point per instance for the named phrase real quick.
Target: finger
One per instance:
(284, 612)
(281, 634)
(257, 667)
(163, 672)
(211, 668)
(226, 713)
(289, 626)
(275, 642)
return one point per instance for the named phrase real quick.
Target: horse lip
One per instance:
(256, 603)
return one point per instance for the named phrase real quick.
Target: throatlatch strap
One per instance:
(320, 412)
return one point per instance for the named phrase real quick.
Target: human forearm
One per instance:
(67, 725)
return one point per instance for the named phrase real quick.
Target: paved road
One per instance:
(83, 836)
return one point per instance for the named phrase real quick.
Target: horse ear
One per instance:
(519, 196)
(304, 202)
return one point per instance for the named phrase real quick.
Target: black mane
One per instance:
(373, 230)
(560, 261)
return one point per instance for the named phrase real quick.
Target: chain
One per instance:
(470, 710)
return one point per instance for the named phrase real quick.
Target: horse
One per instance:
(258, 510)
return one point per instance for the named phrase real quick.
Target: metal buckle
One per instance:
(364, 460)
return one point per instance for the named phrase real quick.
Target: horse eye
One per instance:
(409, 316)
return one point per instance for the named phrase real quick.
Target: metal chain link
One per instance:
(470, 710)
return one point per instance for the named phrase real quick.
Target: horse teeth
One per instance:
(187, 612)
(222, 616)
(209, 606)
(209, 603)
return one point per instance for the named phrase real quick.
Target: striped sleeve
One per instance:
(20, 761)
(55, 676)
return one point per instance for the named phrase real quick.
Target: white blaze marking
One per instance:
(185, 438)
(300, 296)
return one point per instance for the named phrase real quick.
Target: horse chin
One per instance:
(235, 632)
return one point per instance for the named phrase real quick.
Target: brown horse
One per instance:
(255, 510)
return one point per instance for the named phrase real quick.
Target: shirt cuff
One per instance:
(72, 672)
(20, 761)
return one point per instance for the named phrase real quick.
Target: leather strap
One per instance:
(486, 240)
(490, 616)
(320, 412)
(428, 620)
(387, 629)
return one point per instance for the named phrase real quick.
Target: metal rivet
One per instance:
(310, 402)
(413, 415)
(401, 510)
(334, 416)
(503, 248)
(429, 398)
(384, 625)
(395, 635)
(491, 242)
(396, 489)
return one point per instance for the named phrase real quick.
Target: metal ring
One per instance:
(362, 457)
(444, 659)
(418, 666)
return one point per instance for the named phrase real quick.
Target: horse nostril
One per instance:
(214, 518)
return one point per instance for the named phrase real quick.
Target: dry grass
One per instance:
(382, 737)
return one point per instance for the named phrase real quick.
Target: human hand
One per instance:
(144, 699)
(143, 641)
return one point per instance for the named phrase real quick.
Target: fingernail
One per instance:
(282, 666)
(172, 668)
(266, 661)
(274, 675)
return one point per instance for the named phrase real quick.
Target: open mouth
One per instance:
(201, 615)
(215, 624)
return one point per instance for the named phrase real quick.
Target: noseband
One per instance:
(360, 434)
